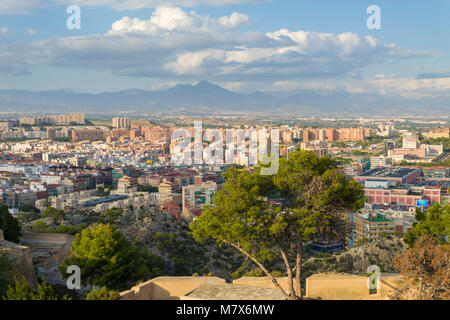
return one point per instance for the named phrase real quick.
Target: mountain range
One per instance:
(206, 97)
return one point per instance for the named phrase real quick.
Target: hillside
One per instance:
(169, 241)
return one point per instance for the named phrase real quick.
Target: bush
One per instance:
(21, 290)
(103, 294)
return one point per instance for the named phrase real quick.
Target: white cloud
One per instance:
(234, 86)
(384, 85)
(5, 31)
(235, 20)
(167, 18)
(412, 87)
(31, 31)
(19, 6)
(300, 53)
(182, 43)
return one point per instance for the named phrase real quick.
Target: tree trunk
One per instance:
(274, 280)
(289, 273)
(298, 270)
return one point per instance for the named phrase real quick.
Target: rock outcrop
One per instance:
(20, 257)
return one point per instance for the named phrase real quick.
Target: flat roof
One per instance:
(388, 172)
(110, 198)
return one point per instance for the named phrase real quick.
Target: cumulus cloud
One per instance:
(182, 43)
(299, 53)
(19, 6)
(167, 18)
(235, 20)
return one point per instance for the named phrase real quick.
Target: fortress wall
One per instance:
(21, 260)
(319, 286)
(52, 244)
(166, 288)
(350, 287)
(47, 237)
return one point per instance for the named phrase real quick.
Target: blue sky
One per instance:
(243, 45)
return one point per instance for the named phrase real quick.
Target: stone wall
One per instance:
(166, 288)
(48, 251)
(351, 287)
(45, 246)
(319, 286)
(21, 258)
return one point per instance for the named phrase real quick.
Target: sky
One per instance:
(241, 45)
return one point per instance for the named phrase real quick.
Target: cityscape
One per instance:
(204, 154)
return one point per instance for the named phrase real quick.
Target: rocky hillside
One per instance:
(175, 251)
(356, 260)
(164, 235)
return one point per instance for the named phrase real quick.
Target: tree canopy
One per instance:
(55, 214)
(273, 216)
(21, 290)
(5, 273)
(106, 258)
(435, 223)
(103, 294)
(9, 225)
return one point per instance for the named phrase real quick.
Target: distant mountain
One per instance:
(206, 97)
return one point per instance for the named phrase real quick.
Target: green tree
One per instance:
(314, 200)
(106, 258)
(40, 226)
(435, 223)
(25, 216)
(9, 225)
(5, 273)
(21, 290)
(103, 294)
(55, 214)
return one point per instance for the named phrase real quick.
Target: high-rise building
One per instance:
(51, 133)
(121, 123)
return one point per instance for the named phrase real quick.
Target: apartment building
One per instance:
(194, 197)
(121, 123)
(371, 225)
(63, 119)
(87, 135)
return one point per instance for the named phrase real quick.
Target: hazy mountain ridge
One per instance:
(216, 99)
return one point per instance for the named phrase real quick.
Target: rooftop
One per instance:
(389, 172)
(110, 198)
(228, 291)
